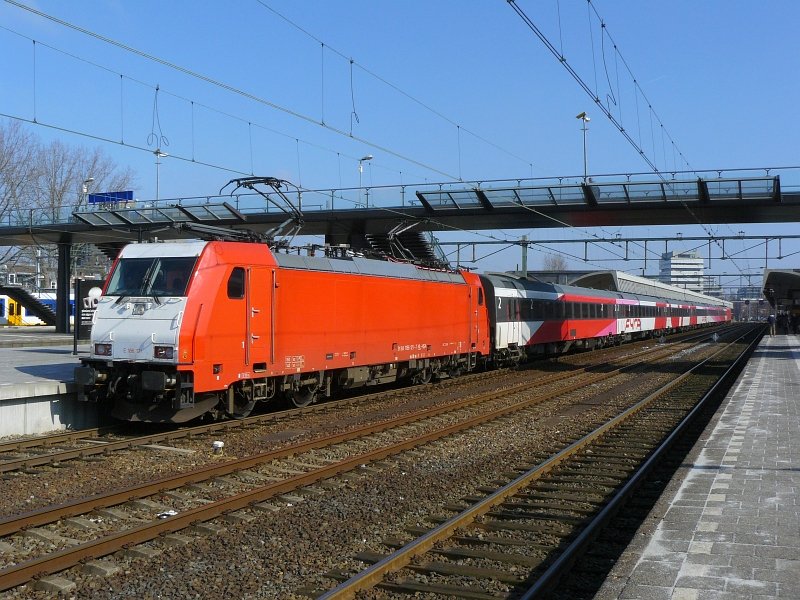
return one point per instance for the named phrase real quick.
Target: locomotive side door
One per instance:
(259, 317)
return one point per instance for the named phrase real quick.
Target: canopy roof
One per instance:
(619, 281)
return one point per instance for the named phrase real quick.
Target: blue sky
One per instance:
(473, 95)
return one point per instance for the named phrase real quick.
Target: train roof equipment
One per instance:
(294, 223)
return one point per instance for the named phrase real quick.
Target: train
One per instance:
(15, 314)
(210, 329)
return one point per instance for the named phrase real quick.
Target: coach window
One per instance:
(537, 311)
(236, 284)
(544, 307)
(552, 310)
(524, 309)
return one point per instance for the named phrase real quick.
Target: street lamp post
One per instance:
(85, 190)
(361, 161)
(585, 118)
(159, 154)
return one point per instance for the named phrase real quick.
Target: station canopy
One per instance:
(782, 288)
(619, 281)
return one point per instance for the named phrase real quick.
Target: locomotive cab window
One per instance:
(236, 284)
(164, 276)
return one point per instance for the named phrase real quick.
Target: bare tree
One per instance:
(46, 183)
(555, 262)
(17, 151)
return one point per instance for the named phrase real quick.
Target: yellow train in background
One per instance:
(14, 314)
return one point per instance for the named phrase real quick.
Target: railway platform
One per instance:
(37, 392)
(728, 526)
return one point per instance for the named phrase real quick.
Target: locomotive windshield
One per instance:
(160, 276)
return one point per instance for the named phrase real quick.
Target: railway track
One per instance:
(58, 448)
(28, 453)
(234, 485)
(519, 539)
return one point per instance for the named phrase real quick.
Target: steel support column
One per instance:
(63, 288)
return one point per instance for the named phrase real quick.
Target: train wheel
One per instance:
(302, 397)
(239, 406)
(424, 376)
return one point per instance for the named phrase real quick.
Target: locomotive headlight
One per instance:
(164, 352)
(102, 349)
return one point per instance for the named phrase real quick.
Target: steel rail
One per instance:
(374, 574)
(53, 439)
(567, 558)
(21, 573)
(11, 525)
(184, 432)
(69, 557)
(188, 432)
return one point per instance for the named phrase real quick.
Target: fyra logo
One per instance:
(633, 324)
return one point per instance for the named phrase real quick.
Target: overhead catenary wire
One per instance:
(161, 90)
(459, 174)
(396, 88)
(178, 157)
(54, 227)
(594, 96)
(232, 89)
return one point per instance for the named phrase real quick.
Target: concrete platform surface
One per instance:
(35, 335)
(37, 390)
(36, 361)
(728, 527)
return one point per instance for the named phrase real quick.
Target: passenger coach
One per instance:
(532, 317)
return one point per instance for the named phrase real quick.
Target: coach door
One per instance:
(259, 316)
(14, 312)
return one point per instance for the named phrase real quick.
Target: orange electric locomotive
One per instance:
(189, 328)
